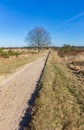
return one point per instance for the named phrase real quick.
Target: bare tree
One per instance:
(38, 37)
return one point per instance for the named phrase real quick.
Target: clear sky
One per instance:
(64, 19)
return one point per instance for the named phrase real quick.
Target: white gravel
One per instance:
(15, 91)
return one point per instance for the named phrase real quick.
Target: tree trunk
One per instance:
(38, 46)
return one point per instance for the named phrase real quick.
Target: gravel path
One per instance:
(15, 91)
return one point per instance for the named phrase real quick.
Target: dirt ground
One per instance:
(15, 91)
(77, 57)
(76, 63)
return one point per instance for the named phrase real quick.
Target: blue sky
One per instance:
(64, 19)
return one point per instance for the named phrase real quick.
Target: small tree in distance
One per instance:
(38, 37)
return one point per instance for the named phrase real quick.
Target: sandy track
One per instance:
(15, 91)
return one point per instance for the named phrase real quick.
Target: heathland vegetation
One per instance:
(8, 53)
(59, 104)
(12, 59)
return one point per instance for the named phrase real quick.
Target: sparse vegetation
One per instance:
(7, 54)
(9, 65)
(66, 50)
(60, 102)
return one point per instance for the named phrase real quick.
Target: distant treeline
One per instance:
(17, 47)
(76, 47)
(23, 47)
(68, 50)
(52, 47)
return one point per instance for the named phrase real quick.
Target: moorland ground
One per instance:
(60, 102)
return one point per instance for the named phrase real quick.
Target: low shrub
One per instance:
(66, 50)
(7, 54)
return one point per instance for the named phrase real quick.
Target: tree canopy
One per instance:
(38, 37)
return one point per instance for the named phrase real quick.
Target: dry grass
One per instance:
(60, 102)
(9, 65)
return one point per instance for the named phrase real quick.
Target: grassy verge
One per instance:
(9, 65)
(60, 102)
